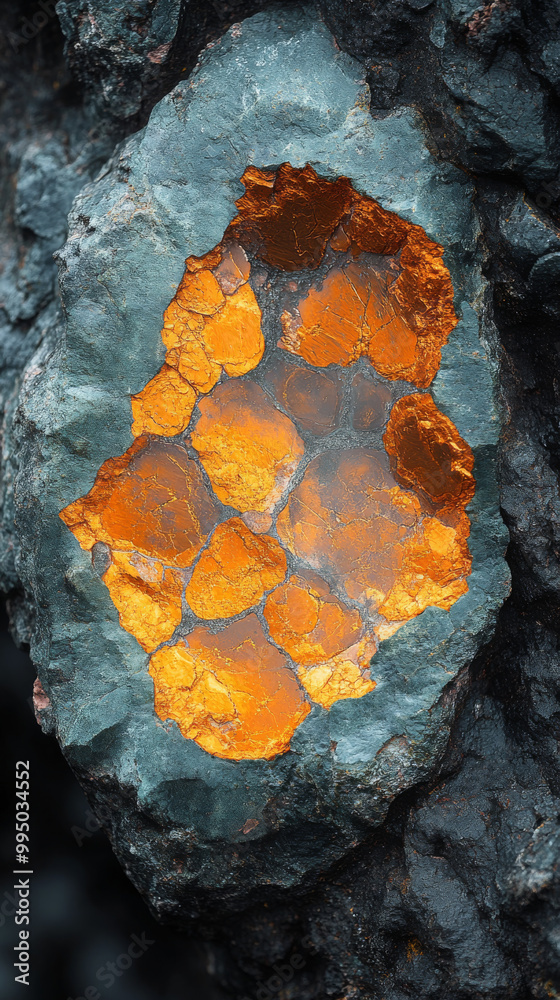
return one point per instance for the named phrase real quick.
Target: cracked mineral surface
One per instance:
(386, 551)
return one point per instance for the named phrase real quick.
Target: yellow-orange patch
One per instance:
(254, 463)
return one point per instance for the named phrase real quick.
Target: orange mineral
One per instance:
(248, 447)
(232, 692)
(235, 571)
(288, 503)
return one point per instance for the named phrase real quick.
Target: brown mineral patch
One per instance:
(340, 240)
(286, 217)
(374, 230)
(257, 523)
(147, 597)
(312, 398)
(309, 622)
(152, 499)
(428, 453)
(345, 675)
(232, 336)
(422, 292)
(232, 693)
(329, 324)
(249, 449)
(210, 260)
(425, 293)
(182, 334)
(235, 571)
(370, 403)
(250, 825)
(233, 270)
(349, 519)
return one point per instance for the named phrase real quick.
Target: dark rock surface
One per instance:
(457, 893)
(127, 57)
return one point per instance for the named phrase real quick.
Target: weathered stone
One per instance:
(482, 82)
(528, 233)
(115, 293)
(456, 891)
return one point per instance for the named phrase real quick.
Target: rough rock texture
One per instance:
(456, 893)
(487, 80)
(129, 56)
(169, 195)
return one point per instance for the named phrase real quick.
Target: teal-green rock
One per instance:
(188, 826)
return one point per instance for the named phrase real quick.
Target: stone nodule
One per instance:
(330, 549)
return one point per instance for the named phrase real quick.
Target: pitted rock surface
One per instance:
(170, 195)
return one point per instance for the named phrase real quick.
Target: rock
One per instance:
(127, 59)
(544, 283)
(451, 884)
(119, 53)
(529, 234)
(172, 189)
(40, 177)
(532, 525)
(480, 83)
(502, 113)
